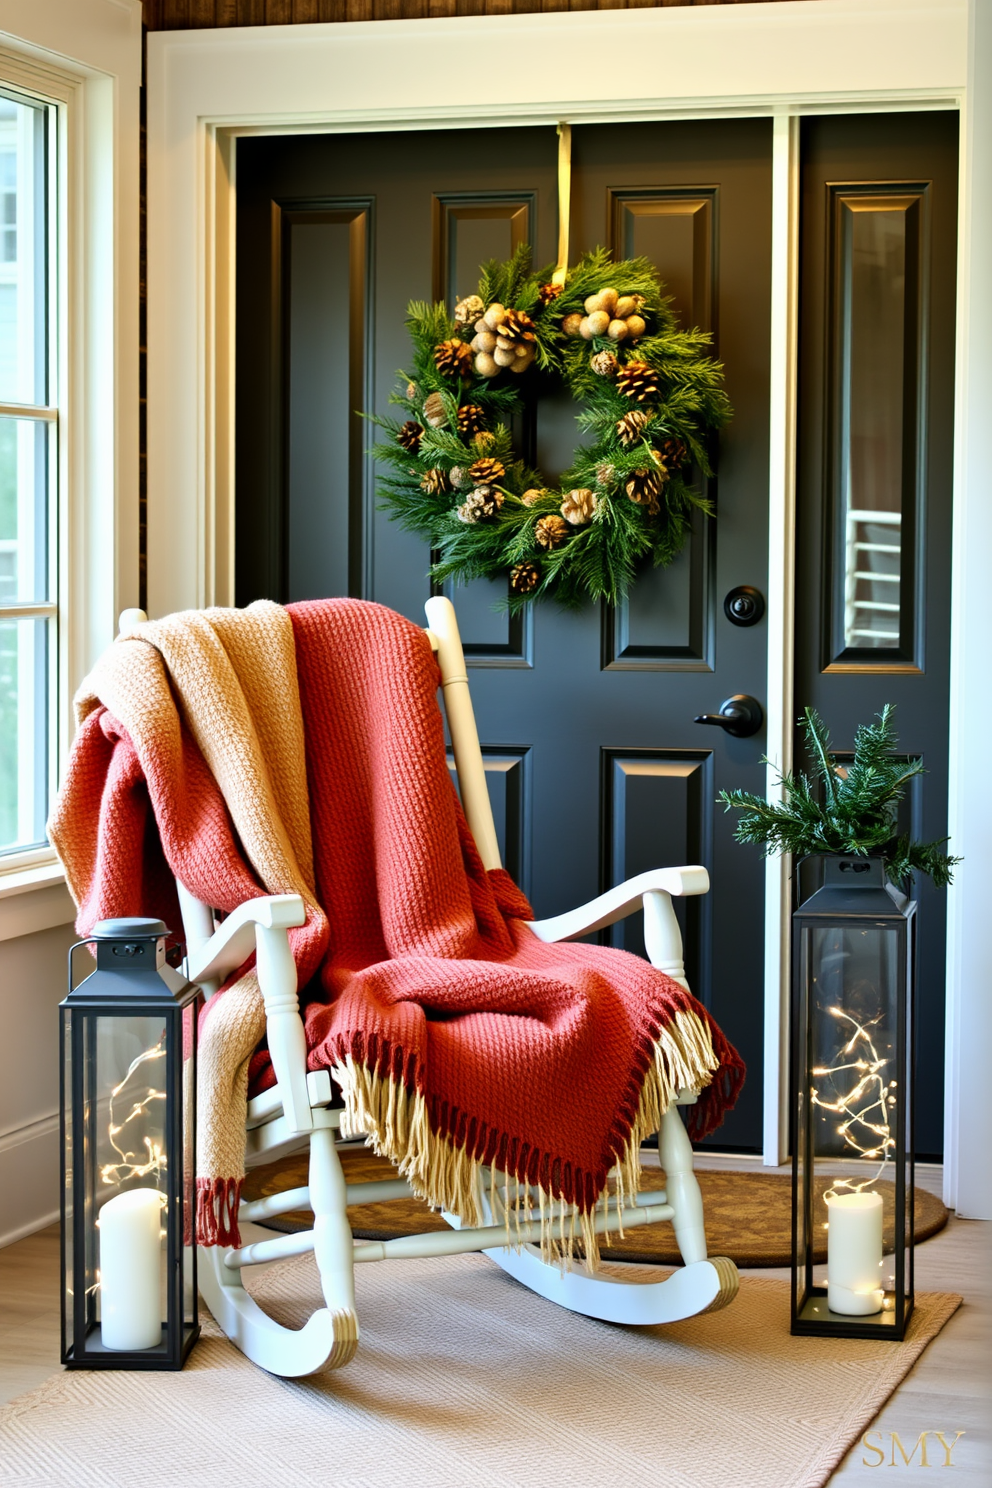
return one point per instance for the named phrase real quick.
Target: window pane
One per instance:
(24, 503)
(24, 731)
(23, 253)
(877, 235)
(876, 313)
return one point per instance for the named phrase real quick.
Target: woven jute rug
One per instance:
(463, 1379)
(748, 1215)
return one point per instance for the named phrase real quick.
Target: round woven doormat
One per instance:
(748, 1215)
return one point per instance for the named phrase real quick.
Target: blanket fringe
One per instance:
(217, 1202)
(394, 1121)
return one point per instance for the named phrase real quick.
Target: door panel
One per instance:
(878, 244)
(595, 765)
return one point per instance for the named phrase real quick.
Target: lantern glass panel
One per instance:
(68, 1212)
(131, 1178)
(853, 1235)
(189, 1021)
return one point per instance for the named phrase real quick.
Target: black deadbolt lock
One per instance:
(744, 605)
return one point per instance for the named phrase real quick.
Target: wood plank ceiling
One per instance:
(172, 15)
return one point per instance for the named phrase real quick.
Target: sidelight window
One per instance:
(876, 466)
(28, 469)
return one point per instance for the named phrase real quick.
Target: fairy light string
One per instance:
(866, 1106)
(131, 1164)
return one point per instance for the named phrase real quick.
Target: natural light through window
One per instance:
(28, 467)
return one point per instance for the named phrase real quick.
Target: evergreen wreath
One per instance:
(651, 398)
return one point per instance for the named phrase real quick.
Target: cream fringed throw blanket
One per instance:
(301, 750)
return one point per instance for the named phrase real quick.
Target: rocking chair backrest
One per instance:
(198, 920)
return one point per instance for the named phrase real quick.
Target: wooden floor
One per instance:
(947, 1391)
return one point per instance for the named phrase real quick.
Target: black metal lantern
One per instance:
(852, 1063)
(128, 1087)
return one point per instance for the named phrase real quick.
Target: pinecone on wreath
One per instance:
(548, 292)
(434, 410)
(481, 503)
(487, 471)
(606, 474)
(470, 420)
(533, 496)
(673, 452)
(434, 481)
(644, 487)
(632, 426)
(453, 358)
(604, 364)
(550, 531)
(409, 436)
(638, 381)
(524, 578)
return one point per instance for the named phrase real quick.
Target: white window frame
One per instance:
(783, 60)
(84, 58)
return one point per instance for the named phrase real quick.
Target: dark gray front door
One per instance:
(596, 767)
(879, 209)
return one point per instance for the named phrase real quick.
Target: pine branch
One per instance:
(858, 809)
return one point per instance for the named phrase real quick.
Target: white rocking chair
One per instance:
(297, 1110)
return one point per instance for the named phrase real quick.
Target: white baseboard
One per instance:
(29, 1178)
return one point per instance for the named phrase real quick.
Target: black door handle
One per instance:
(740, 715)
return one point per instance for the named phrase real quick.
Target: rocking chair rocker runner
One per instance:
(298, 1109)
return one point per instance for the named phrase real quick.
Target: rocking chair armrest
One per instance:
(653, 890)
(233, 941)
(261, 925)
(617, 904)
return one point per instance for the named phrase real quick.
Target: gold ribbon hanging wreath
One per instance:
(650, 396)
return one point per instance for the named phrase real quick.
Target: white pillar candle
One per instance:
(130, 1270)
(854, 1253)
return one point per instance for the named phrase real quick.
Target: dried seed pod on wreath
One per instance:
(504, 339)
(480, 504)
(434, 410)
(579, 506)
(468, 310)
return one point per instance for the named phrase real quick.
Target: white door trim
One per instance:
(781, 59)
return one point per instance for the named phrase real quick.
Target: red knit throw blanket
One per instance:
(460, 1041)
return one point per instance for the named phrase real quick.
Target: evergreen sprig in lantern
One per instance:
(128, 1084)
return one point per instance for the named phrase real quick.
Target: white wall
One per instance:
(32, 983)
